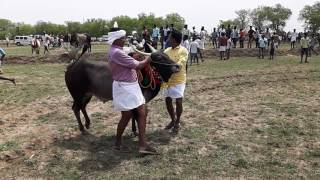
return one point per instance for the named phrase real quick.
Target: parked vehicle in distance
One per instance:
(22, 40)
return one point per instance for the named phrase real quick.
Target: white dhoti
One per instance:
(126, 96)
(174, 92)
(222, 48)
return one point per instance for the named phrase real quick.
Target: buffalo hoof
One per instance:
(87, 125)
(135, 134)
(84, 132)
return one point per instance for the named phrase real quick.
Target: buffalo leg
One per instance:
(76, 110)
(134, 120)
(8, 79)
(85, 48)
(83, 109)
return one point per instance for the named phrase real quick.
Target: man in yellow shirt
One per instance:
(175, 87)
(304, 42)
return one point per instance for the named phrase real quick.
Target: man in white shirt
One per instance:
(185, 31)
(194, 51)
(234, 36)
(294, 36)
(222, 30)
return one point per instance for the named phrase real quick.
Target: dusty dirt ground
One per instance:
(242, 118)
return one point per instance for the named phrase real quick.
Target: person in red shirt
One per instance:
(242, 37)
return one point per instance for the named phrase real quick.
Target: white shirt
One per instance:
(294, 36)
(222, 30)
(229, 43)
(203, 34)
(185, 32)
(194, 47)
(186, 44)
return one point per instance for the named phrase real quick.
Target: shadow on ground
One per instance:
(98, 151)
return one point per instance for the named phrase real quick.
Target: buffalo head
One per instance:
(162, 63)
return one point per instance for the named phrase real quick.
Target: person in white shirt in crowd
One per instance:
(234, 36)
(185, 43)
(194, 32)
(203, 36)
(194, 51)
(200, 46)
(229, 45)
(257, 36)
(267, 34)
(185, 31)
(46, 43)
(7, 41)
(155, 36)
(293, 40)
(222, 30)
(263, 42)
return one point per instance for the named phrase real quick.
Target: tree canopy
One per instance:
(95, 27)
(311, 17)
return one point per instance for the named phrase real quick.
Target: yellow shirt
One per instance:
(180, 56)
(304, 42)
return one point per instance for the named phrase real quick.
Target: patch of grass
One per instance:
(9, 145)
(243, 118)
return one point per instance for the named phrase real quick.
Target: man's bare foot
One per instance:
(148, 150)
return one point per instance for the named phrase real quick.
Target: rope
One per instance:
(149, 73)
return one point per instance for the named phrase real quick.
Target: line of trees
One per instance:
(96, 27)
(275, 17)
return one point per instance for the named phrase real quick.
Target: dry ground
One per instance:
(244, 118)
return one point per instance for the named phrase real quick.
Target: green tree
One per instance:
(175, 19)
(311, 17)
(277, 16)
(242, 18)
(6, 26)
(73, 27)
(126, 23)
(95, 27)
(227, 22)
(258, 17)
(26, 29)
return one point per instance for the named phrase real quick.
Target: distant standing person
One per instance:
(234, 36)
(304, 42)
(251, 38)
(7, 41)
(155, 36)
(263, 42)
(223, 45)
(229, 45)
(313, 42)
(194, 52)
(272, 47)
(242, 38)
(214, 37)
(46, 45)
(200, 47)
(161, 37)
(257, 37)
(294, 37)
(2, 55)
(268, 36)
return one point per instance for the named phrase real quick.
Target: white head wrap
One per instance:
(112, 36)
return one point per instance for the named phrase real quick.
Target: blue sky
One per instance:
(196, 13)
